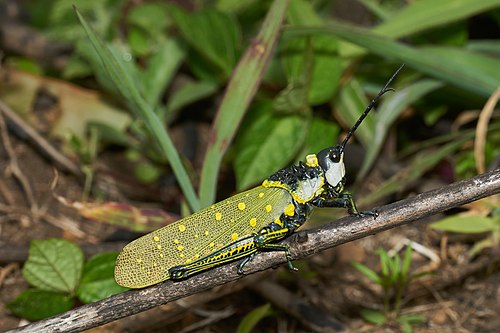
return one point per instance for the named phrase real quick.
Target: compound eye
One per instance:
(335, 156)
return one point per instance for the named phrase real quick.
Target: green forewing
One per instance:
(146, 260)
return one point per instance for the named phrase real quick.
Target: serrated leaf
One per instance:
(36, 304)
(249, 322)
(256, 158)
(465, 224)
(98, 280)
(54, 265)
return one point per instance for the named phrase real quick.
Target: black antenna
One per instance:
(370, 106)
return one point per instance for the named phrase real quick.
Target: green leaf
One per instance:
(465, 224)
(239, 93)
(190, 93)
(54, 265)
(327, 66)
(321, 134)
(249, 322)
(161, 69)
(387, 113)
(471, 71)
(408, 321)
(374, 317)
(406, 262)
(98, 280)
(349, 105)
(257, 159)
(422, 15)
(213, 34)
(385, 262)
(36, 304)
(372, 275)
(124, 82)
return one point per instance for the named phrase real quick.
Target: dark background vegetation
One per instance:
(81, 162)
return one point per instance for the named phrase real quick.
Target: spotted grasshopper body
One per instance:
(242, 225)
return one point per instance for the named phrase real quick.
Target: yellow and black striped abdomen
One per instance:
(146, 260)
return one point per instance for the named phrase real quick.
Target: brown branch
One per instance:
(301, 245)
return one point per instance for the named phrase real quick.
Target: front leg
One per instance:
(344, 200)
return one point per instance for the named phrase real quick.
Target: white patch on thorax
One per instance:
(309, 188)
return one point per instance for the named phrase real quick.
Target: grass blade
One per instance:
(239, 93)
(125, 85)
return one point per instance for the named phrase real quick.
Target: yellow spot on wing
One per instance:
(253, 222)
(139, 261)
(180, 247)
(241, 205)
(234, 236)
(206, 233)
(261, 194)
(182, 227)
(159, 247)
(269, 208)
(290, 210)
(212, 244)
(218, 216)
(176, 241)
(156, 238)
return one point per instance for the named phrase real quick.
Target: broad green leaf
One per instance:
(54, 265)
(161, 69)
(470, 71)
(422, 15)
(124, 82)
(391, 106)
(369, 273)
(138, 42)
(465, 224)
(190, 93)
(36, 304)
(257, 158)
(349, 105)
(98, 280)
(374, 317)
(249, 322)
(239, 93)
(213, 34)
(322, 134)
(151, 17)
(327, 66)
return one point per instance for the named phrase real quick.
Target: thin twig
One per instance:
(303, 244)
(14, 166)
(39, 141)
